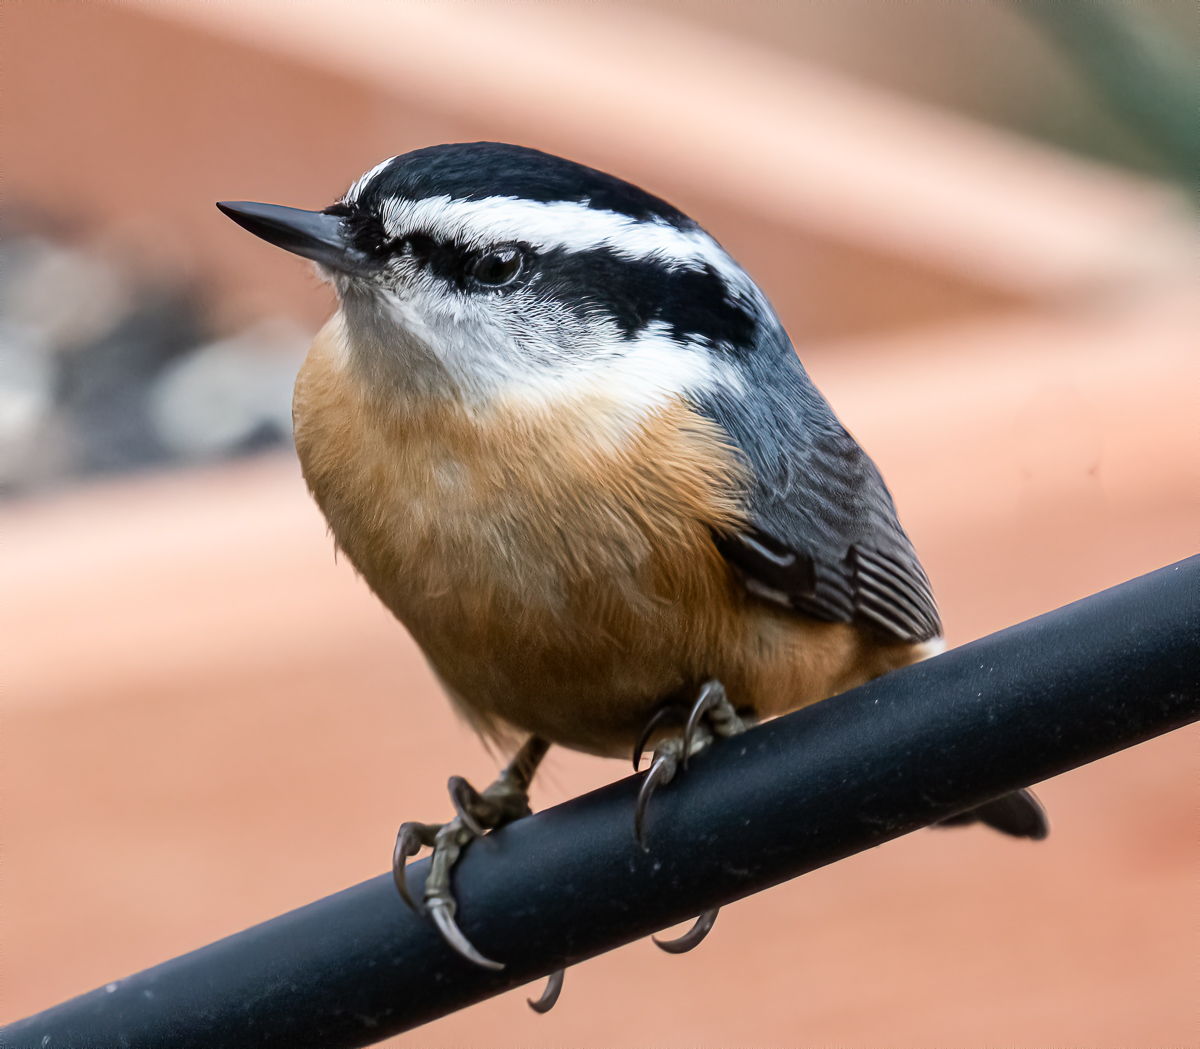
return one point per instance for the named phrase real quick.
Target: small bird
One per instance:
(566, 440)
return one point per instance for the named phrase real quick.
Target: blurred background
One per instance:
(977, 221)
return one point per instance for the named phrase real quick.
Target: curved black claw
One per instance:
(408, 843)
(712, 695)
(550, 995)
(662, 771)
(691, 938)
(662, 715)
(443, 917)
(1019, 814)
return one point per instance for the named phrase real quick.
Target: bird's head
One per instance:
(471, 269)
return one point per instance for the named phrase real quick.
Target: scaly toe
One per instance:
(467, 802)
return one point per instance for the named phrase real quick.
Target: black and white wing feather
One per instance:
(824, 538)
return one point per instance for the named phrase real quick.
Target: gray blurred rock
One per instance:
(69, 296)
(104, 387)
(27, 375)
(229, 396)
(27, 385)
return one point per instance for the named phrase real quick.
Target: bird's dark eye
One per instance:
(499, 267)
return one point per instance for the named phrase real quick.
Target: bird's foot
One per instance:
(711, 717)
(504, 801)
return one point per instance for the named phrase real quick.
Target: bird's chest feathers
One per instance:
(525, 518)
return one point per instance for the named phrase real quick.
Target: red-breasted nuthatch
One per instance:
(566, 440)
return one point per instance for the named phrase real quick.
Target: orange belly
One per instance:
(556, 563)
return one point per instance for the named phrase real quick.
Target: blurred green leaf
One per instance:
(1139, 65)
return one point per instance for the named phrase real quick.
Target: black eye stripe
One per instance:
(460, 265)
(634, 293)
(445, 260)
(364, 230)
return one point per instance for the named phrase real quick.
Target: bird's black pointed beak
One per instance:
(313, 234)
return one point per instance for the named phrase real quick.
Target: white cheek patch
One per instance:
(635, 378)
(651, 373)
(541, 357)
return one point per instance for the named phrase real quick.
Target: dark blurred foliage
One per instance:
(1115, 80)
(103, 386)
(1140, 65)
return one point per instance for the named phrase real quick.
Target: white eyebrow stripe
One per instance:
(560, 224)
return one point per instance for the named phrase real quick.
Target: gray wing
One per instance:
(824, 539)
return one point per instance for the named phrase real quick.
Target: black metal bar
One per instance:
(789, 796)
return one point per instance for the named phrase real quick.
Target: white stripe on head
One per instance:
(561, 224)
(357, 189)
